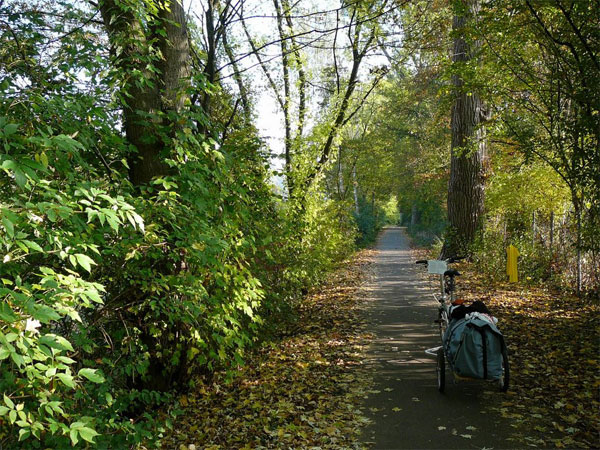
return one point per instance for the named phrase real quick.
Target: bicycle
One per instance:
(447, 294)
(446, 300)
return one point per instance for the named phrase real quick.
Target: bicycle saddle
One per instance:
(452, 273)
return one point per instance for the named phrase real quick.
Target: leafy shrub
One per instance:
(53, 232)
(369, 221)
(115, 296)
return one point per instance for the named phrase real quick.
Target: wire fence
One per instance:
(548, 249)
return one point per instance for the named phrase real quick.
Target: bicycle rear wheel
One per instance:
(441, 370)
(504, 380)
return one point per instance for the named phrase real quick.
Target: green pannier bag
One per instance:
(474, 348)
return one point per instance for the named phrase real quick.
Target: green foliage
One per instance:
(548, 112)
(520, 190)
(114, 295)
(391, 211)
(369, 220)
(54, 229)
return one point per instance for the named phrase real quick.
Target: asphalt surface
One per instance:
(405, 407)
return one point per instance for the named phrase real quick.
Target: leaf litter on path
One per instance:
(301, 391)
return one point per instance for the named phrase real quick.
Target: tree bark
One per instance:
(287, 120)
(148, 97)
(466, 186)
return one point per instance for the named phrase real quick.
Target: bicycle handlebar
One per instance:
(450, 260)
(453, 259)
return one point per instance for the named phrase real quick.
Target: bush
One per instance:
(114, 297)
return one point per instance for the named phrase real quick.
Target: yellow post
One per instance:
(511, 263)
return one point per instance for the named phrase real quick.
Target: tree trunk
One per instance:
(287, 120)
(466, 187)
(147, 94)
(210, 68)
(533, 229)
(237, 76)
(355, 191)
(551, 231)
(578, 267)
(153, 91)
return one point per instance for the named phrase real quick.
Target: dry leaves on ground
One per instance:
(302, 391)
(553, 343)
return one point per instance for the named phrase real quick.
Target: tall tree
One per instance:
(466, 187)
(150, 49)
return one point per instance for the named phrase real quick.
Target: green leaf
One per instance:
(45, 314)
(18, 359)
(92, 375)
(87, 434)
(6, 313)
(66, 379)
(9, 164)
(3, 410)
(20, 178)
(73, 436)
(8, 226)
(113, 222)
(44, 159)
(94, 296)
(10, 128)
(85, 261)
(8, 401)
(51, 215)
(33, 245)
(65, 359)
(54, 341)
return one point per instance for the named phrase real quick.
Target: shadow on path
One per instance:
(406, 410)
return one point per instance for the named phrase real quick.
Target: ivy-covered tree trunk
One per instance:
(150, 51)
(154, 82)
(466, 187)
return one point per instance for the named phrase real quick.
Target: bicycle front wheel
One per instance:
(443, 323)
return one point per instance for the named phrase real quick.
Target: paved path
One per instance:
(406, 409)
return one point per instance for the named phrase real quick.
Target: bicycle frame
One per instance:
(447, 290)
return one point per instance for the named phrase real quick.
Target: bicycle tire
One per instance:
(441, 370)
(504, 380)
